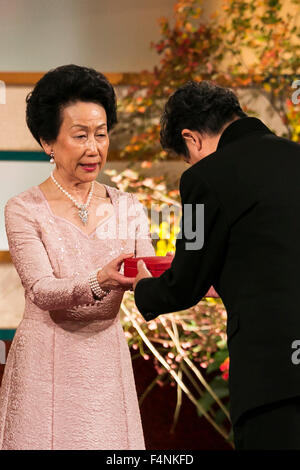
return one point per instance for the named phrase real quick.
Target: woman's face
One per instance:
(82, 138)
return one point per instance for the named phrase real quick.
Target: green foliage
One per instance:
(219, 358)
(220, 388)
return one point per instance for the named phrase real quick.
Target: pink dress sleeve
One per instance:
(143, 242)
(32, 263)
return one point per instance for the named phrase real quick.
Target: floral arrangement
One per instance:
(248, 44)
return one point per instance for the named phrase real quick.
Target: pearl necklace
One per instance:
(83, 208)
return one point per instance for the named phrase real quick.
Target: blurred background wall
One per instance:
(112, 36)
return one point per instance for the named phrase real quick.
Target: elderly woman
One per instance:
(68, 381)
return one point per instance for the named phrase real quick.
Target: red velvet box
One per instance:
(156, 265)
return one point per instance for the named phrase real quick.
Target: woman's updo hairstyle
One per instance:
(63, 86)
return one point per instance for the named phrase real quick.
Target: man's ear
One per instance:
(192, 138)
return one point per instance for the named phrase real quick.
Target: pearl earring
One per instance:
(52, 157)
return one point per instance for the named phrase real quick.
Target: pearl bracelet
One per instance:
(95, 286)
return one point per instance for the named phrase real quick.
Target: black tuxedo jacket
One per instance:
(250, 188)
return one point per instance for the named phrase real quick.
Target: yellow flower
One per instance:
(161, 248)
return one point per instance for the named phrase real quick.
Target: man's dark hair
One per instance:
(198, 106)
(60, 87)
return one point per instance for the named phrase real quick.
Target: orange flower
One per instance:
(174, 193)
(146, 164)
(225, 365)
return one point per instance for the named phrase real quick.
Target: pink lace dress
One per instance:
(68, 381)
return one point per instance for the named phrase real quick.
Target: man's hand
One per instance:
(142, 272)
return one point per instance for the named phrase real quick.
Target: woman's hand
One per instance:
(109, 276)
